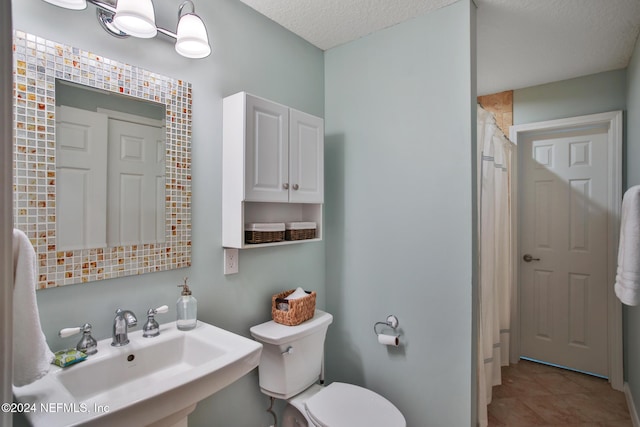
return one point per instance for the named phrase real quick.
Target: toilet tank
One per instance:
(291, 358)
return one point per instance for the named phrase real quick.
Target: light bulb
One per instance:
(192, 40)
(136, 18)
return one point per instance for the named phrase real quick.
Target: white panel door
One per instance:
(136, 183)
(81, 179)
(564, 230)
(306, 158)
(267, 151)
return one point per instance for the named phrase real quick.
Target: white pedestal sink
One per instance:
(150, 381)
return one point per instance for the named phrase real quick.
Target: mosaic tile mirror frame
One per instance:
(37, 64)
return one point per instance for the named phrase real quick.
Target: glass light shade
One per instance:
(192, 40)
(136, 18)
(69, 4)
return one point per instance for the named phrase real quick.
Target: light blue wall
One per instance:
(591, 94)
(250, 53)
(632, 314)
(400, 104)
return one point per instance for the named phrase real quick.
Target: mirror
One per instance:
(110, 169)
(53, 198)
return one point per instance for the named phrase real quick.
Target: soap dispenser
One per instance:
(187, 308)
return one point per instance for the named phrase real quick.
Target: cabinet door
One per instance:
(306, 158)
(267, 152)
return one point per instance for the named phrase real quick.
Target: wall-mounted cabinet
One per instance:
(272, 167)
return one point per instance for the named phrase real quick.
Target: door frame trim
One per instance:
(613, 122)
(6, 211)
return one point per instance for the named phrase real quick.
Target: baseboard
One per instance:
(632, 407)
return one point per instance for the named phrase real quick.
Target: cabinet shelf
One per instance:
(272, 168)
(283, 243)
(246, 212)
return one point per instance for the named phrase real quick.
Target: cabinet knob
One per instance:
(296, 186)
(285, 185)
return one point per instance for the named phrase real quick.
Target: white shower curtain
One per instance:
(495, 153)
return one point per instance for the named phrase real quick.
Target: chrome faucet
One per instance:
(123, 320)
(152, 328)
(87, 344)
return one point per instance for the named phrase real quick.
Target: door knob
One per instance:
(296, 186)
(529, 258)
(285, 185)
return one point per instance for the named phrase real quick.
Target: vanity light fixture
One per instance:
(124, 18)
(69, 4)
(192, 40)
(136, 18)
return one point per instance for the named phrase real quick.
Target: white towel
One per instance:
(627, 284)
(31, 354)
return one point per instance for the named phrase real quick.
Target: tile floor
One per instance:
(533, 394)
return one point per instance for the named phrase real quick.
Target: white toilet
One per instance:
(290, 366)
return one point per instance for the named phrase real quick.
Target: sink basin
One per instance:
(150, 381)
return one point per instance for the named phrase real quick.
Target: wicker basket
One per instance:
(300, 230)
(255, 233)
(300, 309)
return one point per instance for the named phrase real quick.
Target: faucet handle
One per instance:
(67, 332)
(87, 343)
(159, 310)
(152, 328)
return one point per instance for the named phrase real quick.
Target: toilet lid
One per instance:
(347, 405)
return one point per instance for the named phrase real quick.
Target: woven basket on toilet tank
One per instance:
(300, 309)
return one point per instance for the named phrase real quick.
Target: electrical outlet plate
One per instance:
(230, 261)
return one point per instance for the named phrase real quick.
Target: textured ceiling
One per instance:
(520, 42)
(531, 42)
(329, 23)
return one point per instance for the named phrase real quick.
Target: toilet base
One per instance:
(295, 414)
(294, 418)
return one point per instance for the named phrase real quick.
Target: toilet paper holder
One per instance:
(392, 322)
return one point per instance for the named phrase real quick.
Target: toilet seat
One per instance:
(347, 405)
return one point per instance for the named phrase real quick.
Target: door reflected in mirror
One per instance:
(110, 167)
